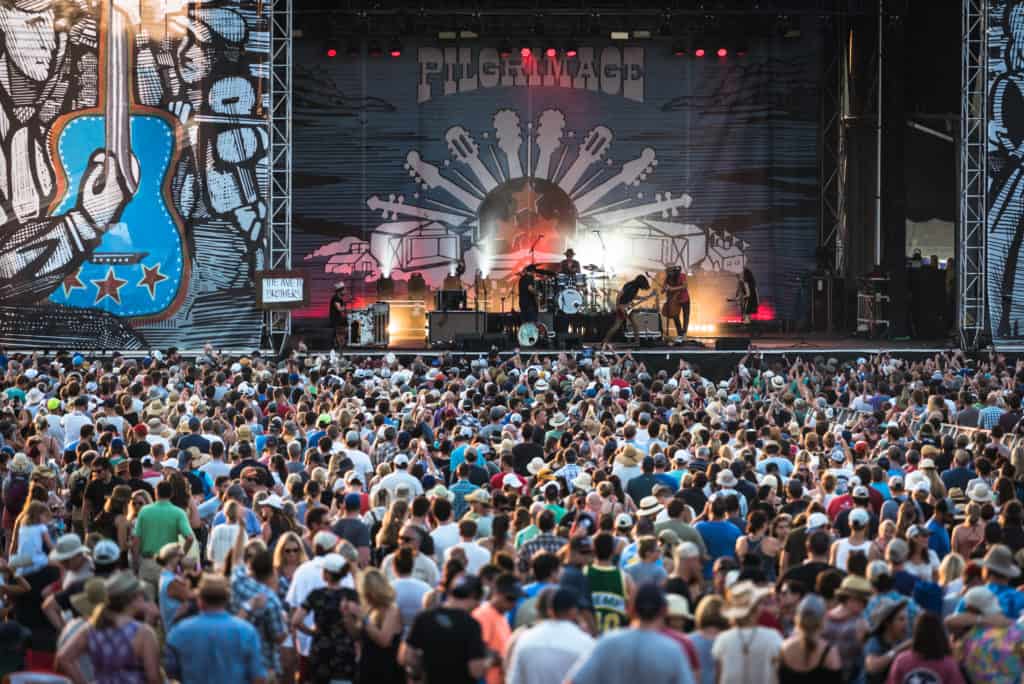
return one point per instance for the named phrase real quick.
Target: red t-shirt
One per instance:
(688, 648)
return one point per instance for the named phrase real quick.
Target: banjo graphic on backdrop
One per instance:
(141, 266)
(521, 194)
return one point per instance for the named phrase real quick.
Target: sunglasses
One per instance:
(407, 539)
(292, 550)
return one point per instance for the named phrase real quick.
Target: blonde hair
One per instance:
(284, 540)
(376, 590)
(951, 568)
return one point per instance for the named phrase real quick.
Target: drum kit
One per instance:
(575, 293)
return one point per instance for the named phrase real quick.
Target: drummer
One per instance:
(569, 265)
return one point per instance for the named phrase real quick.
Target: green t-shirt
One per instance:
(526, 534)
(158, 524)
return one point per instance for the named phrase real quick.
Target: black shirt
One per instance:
(523, 453)
(807, 573)
(28, 609)
(352, 530)
(629, 292)
(527, 301)
(449, 639)
(336, 315)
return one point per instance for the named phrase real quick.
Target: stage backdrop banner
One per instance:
(133, 173)
(1004, 272)
(634, 158)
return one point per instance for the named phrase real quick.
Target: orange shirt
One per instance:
(496, 632)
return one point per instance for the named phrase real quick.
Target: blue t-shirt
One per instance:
(938, 541)
(1010, 600)
(720, 539)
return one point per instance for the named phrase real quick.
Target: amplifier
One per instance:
(445, 327)
(649, 321)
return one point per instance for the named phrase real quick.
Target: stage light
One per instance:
(551, 52)
(571, 50)
(641, 34)
(722, 52)
(525, 52)
(447, 35)
(504, 50)
(331, 52)
(396, 48)
(699, 52)
(619, 35)
(679, 50)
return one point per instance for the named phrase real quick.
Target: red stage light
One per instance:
(699, 52)
(331, 52)
(396, 53)
(551, 52)
(570, 52)
(722, 52)
(525, 52)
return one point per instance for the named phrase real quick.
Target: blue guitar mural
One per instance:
(140, 268)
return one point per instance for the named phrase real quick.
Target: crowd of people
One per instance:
(572, 518)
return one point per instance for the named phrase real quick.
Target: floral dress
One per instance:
(333, 652)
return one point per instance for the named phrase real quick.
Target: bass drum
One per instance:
(529, 334)
(570, 301)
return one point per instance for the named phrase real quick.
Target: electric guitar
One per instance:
(140, 269)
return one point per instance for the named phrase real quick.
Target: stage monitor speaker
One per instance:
(449, 326)
(732, 344)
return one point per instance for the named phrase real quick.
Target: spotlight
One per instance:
(331, 52)
(504, 50)
(525, 52)
(619, 35)
(551, 52)
(396, 48)
(571, 50)
(699, 52)
(722, 52)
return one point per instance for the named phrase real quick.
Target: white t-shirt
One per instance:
(924, 571)
(216, 469)
(222, 540)
(444, 538)
(546, 652)
(360, 463)
(844, 548)
(476, 556)
(747, 654)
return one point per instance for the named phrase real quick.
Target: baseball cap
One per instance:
(859, 517)
(816, 520)
(401, 460)
(860, 492)
(623, 520)
(333, 562)
(106, 552)
(325, 540)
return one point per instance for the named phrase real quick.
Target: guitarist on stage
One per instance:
(746, 294)
(677, 300)
(625, 304)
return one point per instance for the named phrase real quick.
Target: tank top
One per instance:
(608, 594)
(819, 673)
(168, 604)
(844, 548)
(113, 659)
(767, 562)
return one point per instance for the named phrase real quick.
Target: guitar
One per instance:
(140, 269)
(550, 130)
(593, 149)
(673, 300)
(464, 149)
(510, 139)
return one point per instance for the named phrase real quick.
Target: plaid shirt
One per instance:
(568, 472)
(989, 417)
(542, 542)
(269, 622)
(383, 453)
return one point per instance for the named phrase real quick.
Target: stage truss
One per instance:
(278, 324)
(972, 316)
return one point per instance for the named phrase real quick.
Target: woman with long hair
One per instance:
(929, 657)
(140, 499)
(758, 543)
(453, 568)
(888, 625)
(968, 534)
(907, 516)
(289, 554)
(382, 630)
(387, 536)
(222, 536)
(500, 539)
(805, 656)
(275, 521)
(112, 521)
(122, 649)
(921, 560)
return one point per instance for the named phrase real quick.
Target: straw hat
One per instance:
(583, 481)
(743, 598)
(68, 546)
(20, 465)
(93, 594)
(535, 465)
(999, 559)
(649, 505)
(882, 611)
(630, 456)
(981, 493)
(856, 587)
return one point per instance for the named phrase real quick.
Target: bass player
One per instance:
(677, 300)
(624, 305)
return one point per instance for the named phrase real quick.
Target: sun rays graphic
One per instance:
(523, 192)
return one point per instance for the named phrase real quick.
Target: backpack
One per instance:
(77, 483)
(15, 493)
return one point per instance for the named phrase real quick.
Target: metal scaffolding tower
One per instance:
(971, 316)
(279, 221)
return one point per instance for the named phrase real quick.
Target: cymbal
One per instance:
(593, 267)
